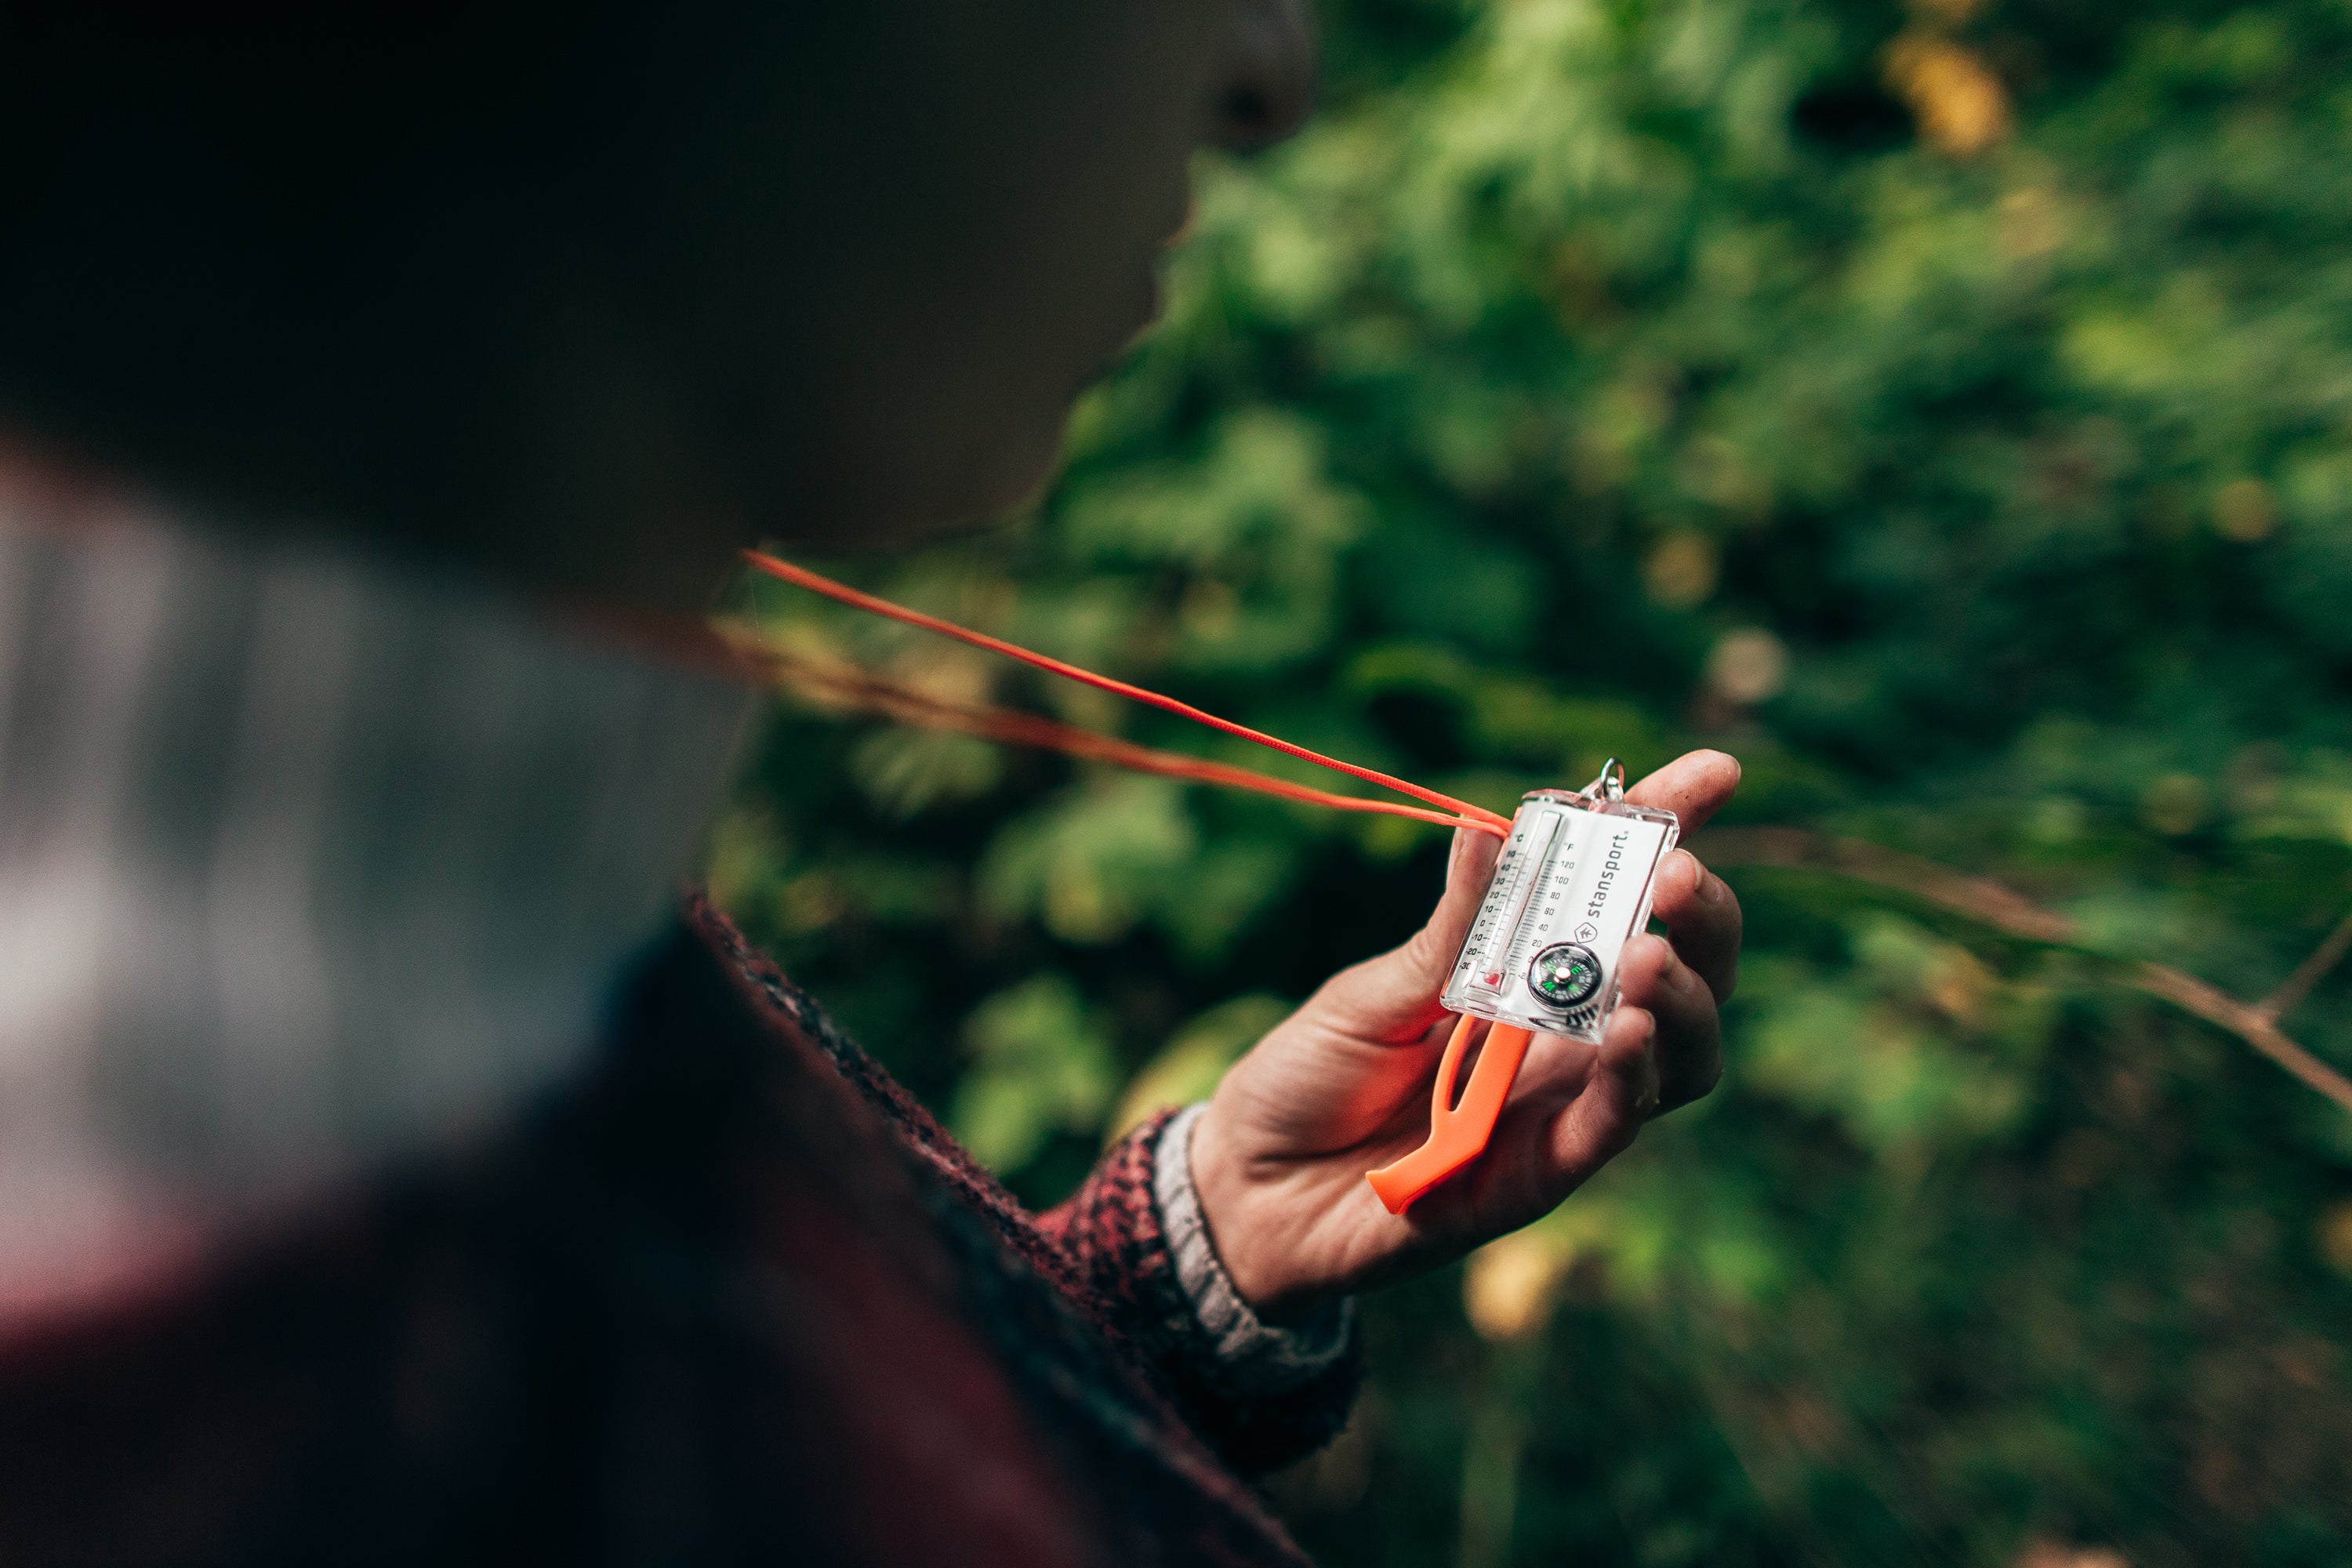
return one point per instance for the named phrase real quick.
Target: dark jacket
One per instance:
(733, 1296)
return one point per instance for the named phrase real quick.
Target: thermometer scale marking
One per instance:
(1510, 914)
(1525, 932)
(1509, 867)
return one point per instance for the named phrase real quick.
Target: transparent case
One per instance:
(1572, 887)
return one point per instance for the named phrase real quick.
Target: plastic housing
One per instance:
(1572, 887)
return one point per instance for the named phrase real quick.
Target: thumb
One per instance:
(1468, 869)
(1396, 993)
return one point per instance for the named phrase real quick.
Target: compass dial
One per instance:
(1566, 974)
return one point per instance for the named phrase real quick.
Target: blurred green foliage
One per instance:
(1948, 410)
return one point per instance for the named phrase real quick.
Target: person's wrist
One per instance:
(1262, 1268)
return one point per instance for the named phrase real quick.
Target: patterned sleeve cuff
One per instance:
(1262, 1397)
(1253, 1357)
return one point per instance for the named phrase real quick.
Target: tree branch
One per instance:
(2004, 908)
(2307, 974)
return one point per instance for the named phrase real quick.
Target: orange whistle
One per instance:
(1457, 1133)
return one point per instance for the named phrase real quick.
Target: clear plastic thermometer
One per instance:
(1571, 887)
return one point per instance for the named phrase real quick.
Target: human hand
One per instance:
(1342, 1086)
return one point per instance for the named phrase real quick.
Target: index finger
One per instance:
(1694, 786)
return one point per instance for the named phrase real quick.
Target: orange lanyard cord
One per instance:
(830, 683)
(1025, 729)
